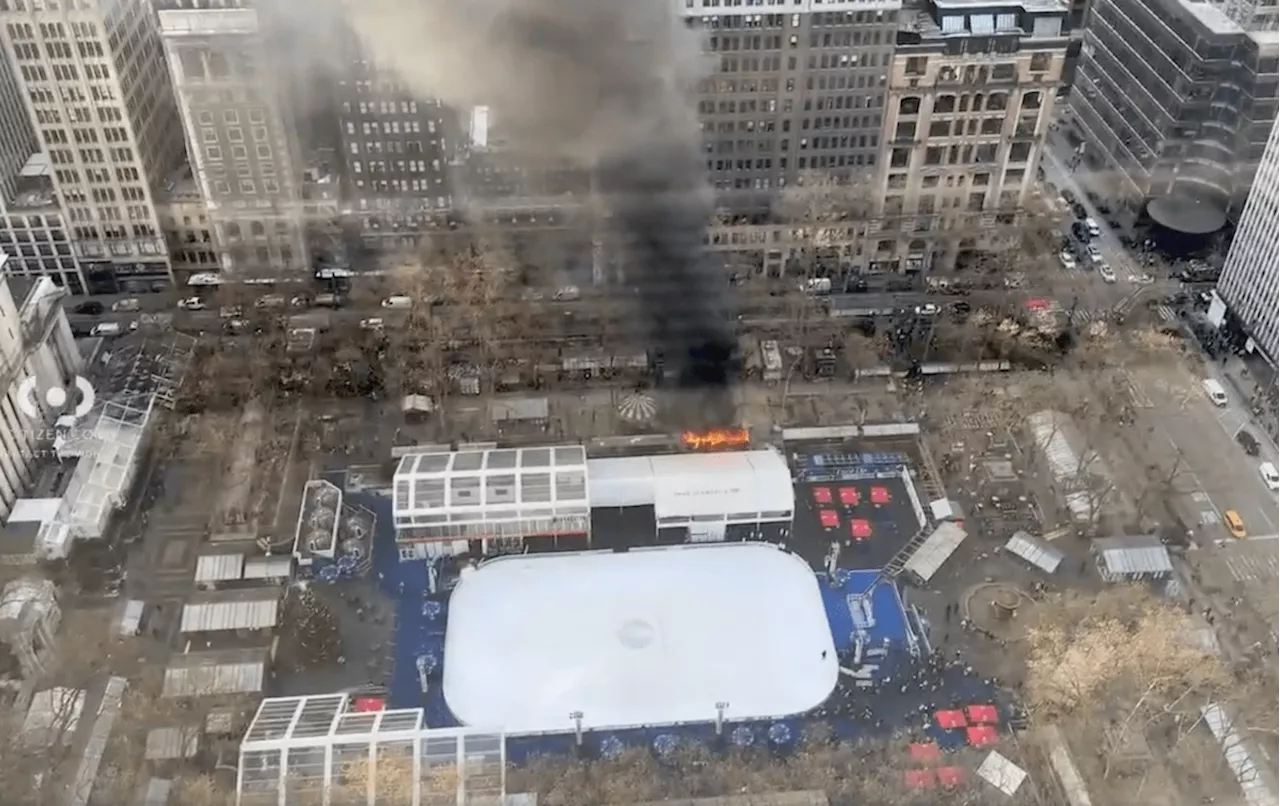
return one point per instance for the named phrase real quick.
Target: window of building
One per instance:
(213, 153)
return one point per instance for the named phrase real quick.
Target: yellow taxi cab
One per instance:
(1235, 524)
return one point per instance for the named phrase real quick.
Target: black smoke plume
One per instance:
(605, 84)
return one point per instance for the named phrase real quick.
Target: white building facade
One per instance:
(37, 354)
(1248, 285)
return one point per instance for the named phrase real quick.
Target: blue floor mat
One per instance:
(907, 690)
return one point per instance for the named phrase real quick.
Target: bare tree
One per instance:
(1128, 678)
(1119, 652)
(821, 206)
(870, 772)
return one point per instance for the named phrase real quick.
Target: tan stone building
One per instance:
(184, 220)
(970, 100)
(970, 92)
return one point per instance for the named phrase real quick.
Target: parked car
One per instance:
(1092, 226)
(106, 329)
(191, 304)
(371, 324)
(125, 305)
(270, 301)
(1067, 259)
(230, 312)
(1095, 254)
(91, 308)
(398, 301)
(1248, 442)
(927, 309)
(1269, 476)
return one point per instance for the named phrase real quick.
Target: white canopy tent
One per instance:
(491, 493)
(731, 487)
(321, 749)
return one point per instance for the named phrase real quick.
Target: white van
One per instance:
(1214, 391)
(397, 301)
(817, 286)
(106, 329)
(1270, 476)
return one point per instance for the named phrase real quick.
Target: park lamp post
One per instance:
(721, 707)
(576, 716)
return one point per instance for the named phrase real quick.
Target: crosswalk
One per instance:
(1166, 314)
(1081, 317)
(1137, 393)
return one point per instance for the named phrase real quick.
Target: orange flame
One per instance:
(716, 439)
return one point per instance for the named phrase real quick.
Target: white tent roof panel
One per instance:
(737, 485)
(208, 674)
(468, 485)
(935, 550)
(259, 610)
(1035, 551)
(621, 482)
(219, 567)
(1002, 773)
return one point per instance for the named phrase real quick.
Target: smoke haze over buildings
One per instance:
(602, 83)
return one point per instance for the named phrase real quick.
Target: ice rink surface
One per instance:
(644, 638)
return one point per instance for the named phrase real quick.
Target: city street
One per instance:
(1191, 444)
(1124, 294)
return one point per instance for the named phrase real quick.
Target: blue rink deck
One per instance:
(849, 713)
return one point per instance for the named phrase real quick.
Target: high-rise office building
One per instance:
(1174, 101)
(31, 229)
(17, 138)
(800, 87)
(1260, 16)
(1250, 283)
(92, 77)
(396, 148)
(241, 132)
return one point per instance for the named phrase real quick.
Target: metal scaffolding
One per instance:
(104, 474)
(322, 750)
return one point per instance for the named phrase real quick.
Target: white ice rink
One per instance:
(647, 637)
